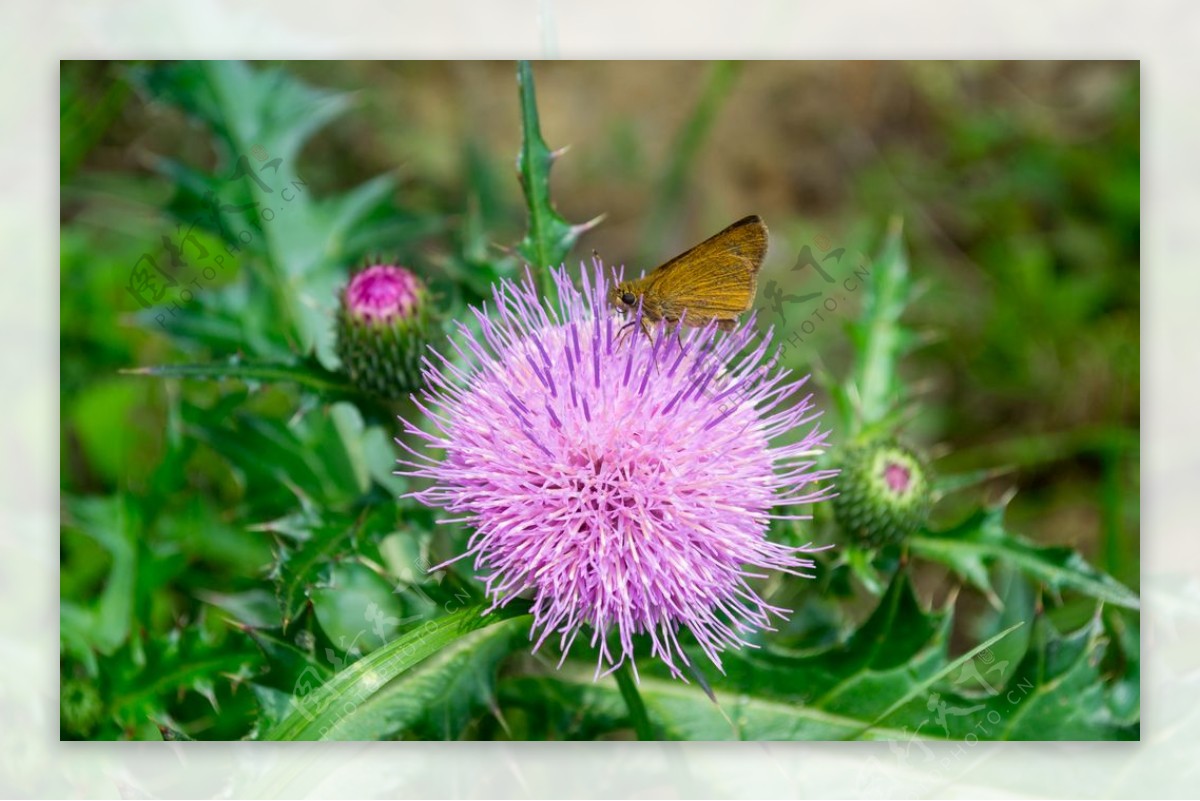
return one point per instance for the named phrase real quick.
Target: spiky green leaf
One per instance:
(971, 547)
(892, 679)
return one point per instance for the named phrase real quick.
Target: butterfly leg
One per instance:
(623, 331)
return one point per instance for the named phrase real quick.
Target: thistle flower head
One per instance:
(625, 482)
(383, 325)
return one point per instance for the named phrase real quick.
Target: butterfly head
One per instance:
(624, 298)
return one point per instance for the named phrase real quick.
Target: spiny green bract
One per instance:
(883, 492)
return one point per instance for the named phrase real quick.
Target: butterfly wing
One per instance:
(716, 279)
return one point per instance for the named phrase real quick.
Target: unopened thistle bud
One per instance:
(883, 492)
(80, 708)
(383, 325)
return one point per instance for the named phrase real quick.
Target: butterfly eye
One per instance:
(628, 299)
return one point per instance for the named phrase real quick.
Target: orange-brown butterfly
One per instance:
(715, 280)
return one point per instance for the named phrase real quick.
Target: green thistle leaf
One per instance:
(879, 339)
(972, 546)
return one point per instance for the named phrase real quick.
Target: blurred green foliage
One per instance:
(234, 557)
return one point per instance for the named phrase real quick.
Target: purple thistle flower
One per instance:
(625, 481)
(382, 292)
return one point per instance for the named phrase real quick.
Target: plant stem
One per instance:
(542, 245)
(549, 238)
(633, 700)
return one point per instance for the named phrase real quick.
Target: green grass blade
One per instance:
(315, 714)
